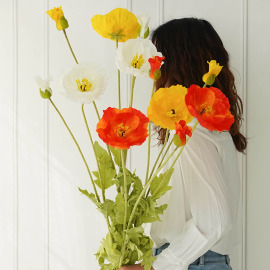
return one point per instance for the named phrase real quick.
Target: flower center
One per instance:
(208, 109)
(171, 113)
(84, 85)
(137, 62)
(121, 130)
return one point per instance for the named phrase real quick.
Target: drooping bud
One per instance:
(44, 87)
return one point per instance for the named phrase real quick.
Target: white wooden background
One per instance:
(45, 223)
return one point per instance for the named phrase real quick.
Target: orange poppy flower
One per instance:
(155, 63)
(182, 130)
(123, 128)
(210, 106)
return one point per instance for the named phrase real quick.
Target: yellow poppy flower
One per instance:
(119, 24)
(214, 70)
(57, 15)
(167, 107)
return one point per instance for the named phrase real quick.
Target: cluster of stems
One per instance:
(161, 160)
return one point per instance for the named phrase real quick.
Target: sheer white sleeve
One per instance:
(209, 201)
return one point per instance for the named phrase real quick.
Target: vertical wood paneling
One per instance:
(8, 119)
(8, 142)
(45, 222)
(258, 130)
(15, 134)
(30, 108)
(244, 130)
(46, 225)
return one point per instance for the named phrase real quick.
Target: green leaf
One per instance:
(107, 170)
(91, 196)
(146, 34)
(146, 246)
(119, 209)
(113, 254)
(107, 207)
(117, 156)
(148, 259)
(159, 186)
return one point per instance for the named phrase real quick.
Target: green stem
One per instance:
(132, 91)
(158, 157)
(123, 249)
(118, 76)
(95, 153)
(166, 151)
(98, 116)
(96, 109)
(99, 172)
(149, 142)
(75, 141)
(119, 90)
(64, 31)
(153, 177)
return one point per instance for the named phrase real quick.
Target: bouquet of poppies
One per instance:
(120, 128)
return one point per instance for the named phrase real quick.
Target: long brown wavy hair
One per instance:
(187, 45)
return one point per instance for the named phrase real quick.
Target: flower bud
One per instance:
(176, 140)
(44, 87)
(62, 24)
(210, 79)
(143, 30)
(45, 94)
(57, 15)
(157, 74)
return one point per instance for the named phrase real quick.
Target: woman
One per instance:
(197, 229)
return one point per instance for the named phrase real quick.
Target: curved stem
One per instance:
(132, 91)
(123, 249)
(149, 143)
(75, 141)
(95, 153)
(96, 109)
(99, 172)
(64, 31)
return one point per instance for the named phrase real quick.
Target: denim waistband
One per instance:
(209, 256)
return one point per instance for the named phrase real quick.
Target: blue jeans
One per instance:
(208, 261)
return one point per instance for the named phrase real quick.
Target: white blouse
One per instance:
(203, 203)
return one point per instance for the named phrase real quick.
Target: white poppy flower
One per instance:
(84, 82)
(44, 87)
(143, 21)
(132, 56)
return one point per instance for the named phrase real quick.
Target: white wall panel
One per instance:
(44, 221)
(30, 136)
(8, 142)
(258, 222)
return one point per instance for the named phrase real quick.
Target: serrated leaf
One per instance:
(148, 259)
(113, 254)
(159, 186)
(107, 170)
(91, 196)
(107, 207)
